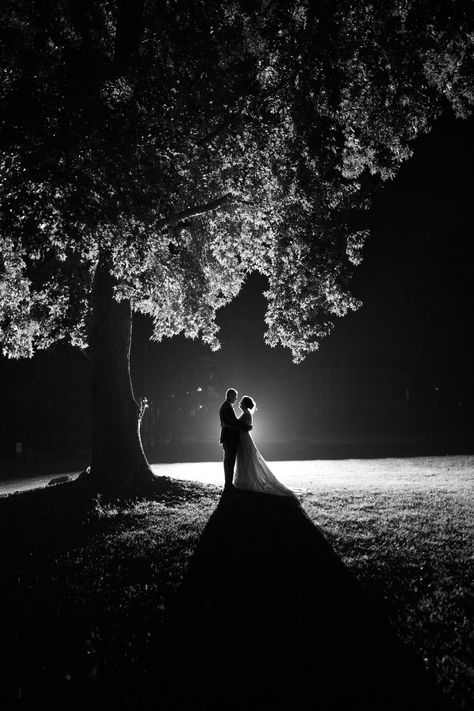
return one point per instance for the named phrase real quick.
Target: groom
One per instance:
(230, 437)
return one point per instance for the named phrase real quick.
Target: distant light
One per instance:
(199, 390)
(200, 407)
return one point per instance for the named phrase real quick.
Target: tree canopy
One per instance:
(186, 144)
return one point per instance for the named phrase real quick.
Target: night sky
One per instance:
(413, 329)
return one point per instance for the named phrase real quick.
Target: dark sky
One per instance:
(416, 278)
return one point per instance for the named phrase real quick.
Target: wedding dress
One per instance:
(252, 472)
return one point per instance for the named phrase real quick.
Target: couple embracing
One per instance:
(240, 452)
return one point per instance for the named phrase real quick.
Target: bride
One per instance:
(252, 472)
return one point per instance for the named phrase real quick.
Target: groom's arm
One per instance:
(225, 414)
(228, 419)
(239, 424)
(244, 426)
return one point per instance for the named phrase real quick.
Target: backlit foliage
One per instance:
(203, 141)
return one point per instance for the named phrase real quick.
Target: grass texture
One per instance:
(90, 585)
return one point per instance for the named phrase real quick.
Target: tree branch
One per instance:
(196, 210)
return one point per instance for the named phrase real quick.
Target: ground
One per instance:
(102, 600)
(421, 473)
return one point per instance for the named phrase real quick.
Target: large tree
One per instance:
(155, 153)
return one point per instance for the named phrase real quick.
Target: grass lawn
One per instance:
(89, 587)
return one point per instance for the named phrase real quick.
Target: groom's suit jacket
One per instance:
(228, 417)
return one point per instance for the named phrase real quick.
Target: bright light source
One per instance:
(199, 390)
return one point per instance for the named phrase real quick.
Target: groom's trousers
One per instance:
(230, 454)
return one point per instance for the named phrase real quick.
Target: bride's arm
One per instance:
(229, 419)
(247, 419)
(244, 422)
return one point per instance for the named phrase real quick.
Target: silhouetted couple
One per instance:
(252, 472)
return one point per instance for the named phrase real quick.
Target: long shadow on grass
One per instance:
(269, 617)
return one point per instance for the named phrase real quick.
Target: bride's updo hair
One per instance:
(247, 402)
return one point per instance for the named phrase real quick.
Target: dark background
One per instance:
(394, 378)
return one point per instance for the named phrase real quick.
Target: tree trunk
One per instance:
(118, 459)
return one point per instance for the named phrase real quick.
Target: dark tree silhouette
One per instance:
(154, 154)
